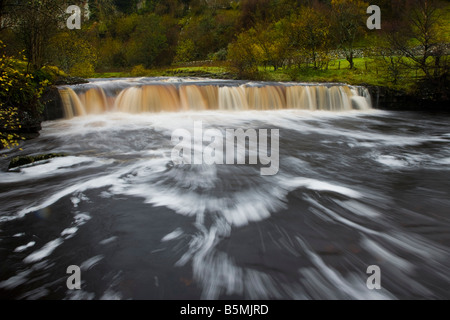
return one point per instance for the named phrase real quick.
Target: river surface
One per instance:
(354, 189)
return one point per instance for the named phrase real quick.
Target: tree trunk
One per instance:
(437, 61)
(350, 60)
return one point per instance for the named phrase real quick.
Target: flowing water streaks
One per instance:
(307, 233)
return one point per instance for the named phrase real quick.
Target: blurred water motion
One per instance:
(354, 189)
(171, 95)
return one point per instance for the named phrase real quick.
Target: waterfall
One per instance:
(162, 96)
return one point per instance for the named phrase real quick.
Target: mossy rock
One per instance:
(70, 81)
(26, 160)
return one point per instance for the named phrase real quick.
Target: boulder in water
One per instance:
(28, 160)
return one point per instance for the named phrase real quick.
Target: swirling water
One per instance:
(354, 189)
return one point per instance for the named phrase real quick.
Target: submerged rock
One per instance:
(26, 160)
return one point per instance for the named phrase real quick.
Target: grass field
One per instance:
(367, 71)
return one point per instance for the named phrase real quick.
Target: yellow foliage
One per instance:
(139, 71)
(19, 93)
(9, 123)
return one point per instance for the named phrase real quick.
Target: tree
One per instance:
(420, 37)
(272, 43)
(255, 11)
(200, 30)
(312, 33)
(126, 6)
(146, 41)
(72, 53)
(348, 18)
(389, 62)
(171, 31)
(185, 51)
(35, 22)
(100, 10)
(243, 54)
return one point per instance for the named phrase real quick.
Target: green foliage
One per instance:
(244, 56)
(34, 23)
(111, 54)
(198, 31)
(73, 54)
(209, 32)
(220, 55)
(139, 71)
(310, 32)
(348, 24)
(83, 69)
(260, 45)
(132, 40)
(280, 39)
(147, 41)
(185, 51)
(52, 72)
(421, 36)
(271, 46)
(9, 124)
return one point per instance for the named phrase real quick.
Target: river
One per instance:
(355, 188)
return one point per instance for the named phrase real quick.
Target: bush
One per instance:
(53, 72)
(244, 56)
(220, 55)
(83, 69)
(185, 51)
(139, 71)
(73, 54)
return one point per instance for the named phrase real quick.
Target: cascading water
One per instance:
(153, 95)
(349, 190)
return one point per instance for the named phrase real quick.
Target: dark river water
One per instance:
(353, 190)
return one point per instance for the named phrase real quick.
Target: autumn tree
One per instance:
(255, 11)
(72, 53)
(421, 37)
(311, 30)
(243, 54)
(348, 22)
(272, 45)
(146, 42)
(35, 22)
(101, 10)
(199, 29)
(209, 32)
(185, 51)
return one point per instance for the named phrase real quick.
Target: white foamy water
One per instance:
(44, 252)
(354, 189)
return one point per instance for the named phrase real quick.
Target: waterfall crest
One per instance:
(161, 96)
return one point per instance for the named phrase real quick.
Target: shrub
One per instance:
(73, 54)
(139, 71)
(83, 69)
(185, 51)
(220, 55)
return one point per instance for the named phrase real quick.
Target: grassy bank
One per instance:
(215, 72)
(367, 71)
